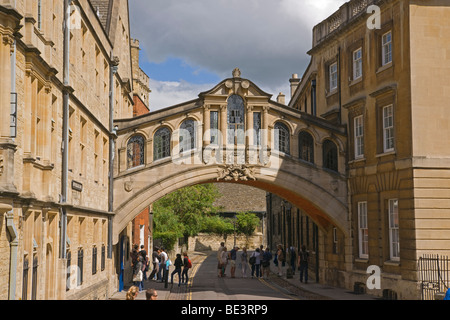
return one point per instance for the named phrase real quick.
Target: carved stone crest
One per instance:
(236, 173)
(236, 73)
(128, 185)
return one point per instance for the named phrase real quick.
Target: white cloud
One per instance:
(266, 39)
(168, 93)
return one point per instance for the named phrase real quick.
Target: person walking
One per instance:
(143, 253)
(187, 265)
(244, 262)
(178, 263)
(224, 261)
(267, 256)
(257, 264)
(132, 293)
(280, 259)
(134, 256)
(303, 263)
(232, 257)
(219, 259)
(155, 262)
(138, 275)
(162, 272)
(293, 256)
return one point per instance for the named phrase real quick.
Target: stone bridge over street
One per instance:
(233, 133)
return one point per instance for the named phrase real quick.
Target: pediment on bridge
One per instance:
(236, 85)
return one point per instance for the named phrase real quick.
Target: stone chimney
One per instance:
(295, 81)
(281, 98)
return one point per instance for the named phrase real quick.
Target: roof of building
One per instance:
(240, 198)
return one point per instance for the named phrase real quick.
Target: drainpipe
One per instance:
(112, 137)
(339, 84)
(65, 133)
(14, 243)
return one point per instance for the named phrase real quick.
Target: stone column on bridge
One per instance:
(149, 151)
(265, 127)
(206, 137)
(223, 123)
(249, 128)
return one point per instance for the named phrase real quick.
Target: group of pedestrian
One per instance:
(297, 261)
(260, 261)
(161, 264)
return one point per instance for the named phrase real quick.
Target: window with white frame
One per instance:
(386, 47)
(333, 76)
(394, 238)
(359, 136)
(363, 230)
(357, 64)
(388, 128)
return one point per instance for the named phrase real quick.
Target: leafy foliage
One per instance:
(217, 225)
(186, 212)
(246, 223)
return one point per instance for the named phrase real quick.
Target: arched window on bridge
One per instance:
(282, 137)
(330, 155)
(236, 120)
(161, 144)
(306, 146)
(187, 135)
(135, 151)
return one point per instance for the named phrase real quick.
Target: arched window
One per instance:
(236, 121)
(282, 137)
(187, 135)
(306, 146)
(135, 151)
(161, 144)
(330, 155)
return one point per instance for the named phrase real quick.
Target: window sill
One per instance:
(387, 153)
(357, 160)
(392, 263)
(331, 93)
(385, 67)
(361, 260)
(355, 81)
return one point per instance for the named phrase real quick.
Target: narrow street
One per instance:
(204, 284)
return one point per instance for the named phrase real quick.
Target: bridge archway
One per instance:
(259, 161)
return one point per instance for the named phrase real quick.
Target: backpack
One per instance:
(189, 264)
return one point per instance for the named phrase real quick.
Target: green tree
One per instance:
(246, 223)
(189, 208)
(167, 226)
(217, 225)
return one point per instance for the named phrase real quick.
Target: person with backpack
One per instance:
(303, 256)
(178, 264)
(187, 265)
(265, 263)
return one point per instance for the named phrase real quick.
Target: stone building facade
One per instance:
(60, 89)
(385, 78)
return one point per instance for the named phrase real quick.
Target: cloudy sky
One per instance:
(188, 46)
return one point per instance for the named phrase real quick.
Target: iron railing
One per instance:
(434, 273)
